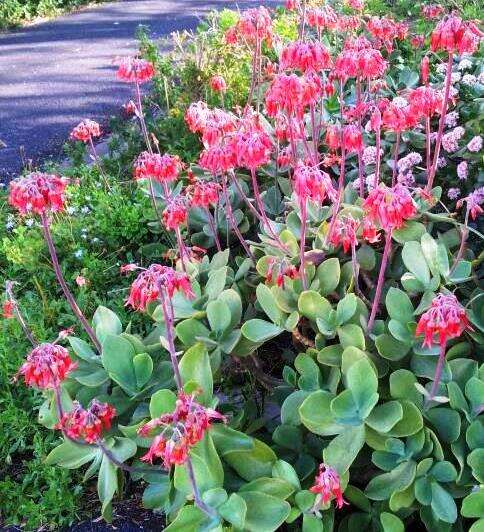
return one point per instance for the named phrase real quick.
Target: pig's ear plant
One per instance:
(314, 253)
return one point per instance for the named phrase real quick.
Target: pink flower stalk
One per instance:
(86, 130)
(126, 268)
(181, 430)
(47, 366)
(135, 70)
(161, 168)
(38, 193)
(87, 424)
(218, 84)
(455, 36)
(327, 485)
(155, 282)
(305, 56)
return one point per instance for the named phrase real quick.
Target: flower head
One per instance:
(155, 282)
(87, 424)
(47, 365)
(327, 485)
(255, 25)
(251, 148)
(217, 84)
(462, 170)
(278, 268)
(135, 70)
(454, 35)
(310, 183)
(344, 232)
(323, 17)
(181, 430)
(389, 207)
(203, 193)
(8, 307)
(161, 168)
(445, 318)
(38, 192)
(86, 130)
(475, 144)
(432, 11)
(425, 101)
(176, 212)
(81, 281)
(305, 56)
(352, 138)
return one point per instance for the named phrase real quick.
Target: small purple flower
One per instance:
(475, 144)
(453, 193)
(462, 170)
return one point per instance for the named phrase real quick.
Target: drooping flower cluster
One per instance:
(344, 232)
(47, 365)
(385, 31)
(87, 424)
(454, 35)
(425, 101)
(432, 11)
(389, 207)
(327, 485)
(203, 193)
(175, 213)
(359, 59)
(254, 26)
(217, 84)
(277, 269)
(445, 319)
(305, 56)
(86, 130)
(135, 70)
(180, 431)
(310, 183)
(161, 168)
(38, 192)
(155, 282)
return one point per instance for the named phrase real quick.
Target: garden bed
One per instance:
(278, 262)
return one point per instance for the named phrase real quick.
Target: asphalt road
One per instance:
(54, 74)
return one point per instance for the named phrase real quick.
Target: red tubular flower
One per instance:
(181, 430)
(196, 116)
(47, 366)
(86, 130)
(7, 309)
(432, 11)
(150, 285)
(386, 30)
(255, 25)
(203, 193)
(327, 485)
(135, 70)
(398, 119)
(310, 183)
(175, 213)
(285, 157)
(389, 207)
(425, 69)
(217, 84)
(446, 318)
(292, 94)
(352, 138)
(251, 148)
(370, 232)
(333, 137)
(217, 159)
(453, 35)
(161, 168)
(344, 232)
(39, 193)
(87, 424)
(305, 56)
(277, 269)
(425, 101)
(322, 18)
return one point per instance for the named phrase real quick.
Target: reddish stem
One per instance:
(213, 227)
(381, 279)
(438, 373)
(60, 278)
(302, 250)
(438, 141)
(395, 158)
